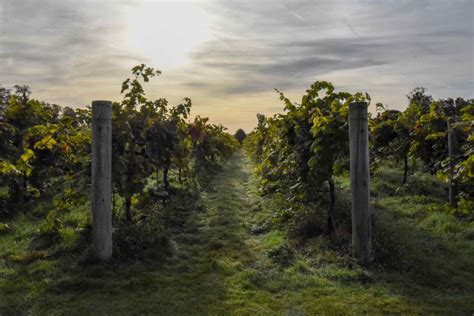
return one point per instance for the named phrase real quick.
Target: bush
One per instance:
(132, 239)
(306, 222)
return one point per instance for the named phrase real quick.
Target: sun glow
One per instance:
(165, 32)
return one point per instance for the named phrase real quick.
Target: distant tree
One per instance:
(240, 135)
(421, 99)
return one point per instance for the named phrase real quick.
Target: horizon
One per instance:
(228, 57)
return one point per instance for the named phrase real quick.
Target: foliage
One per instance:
(45, 157)
(300, 151)
(40, 142)
(424, 262)
(150, 136)
(240, 135)
(421, 132)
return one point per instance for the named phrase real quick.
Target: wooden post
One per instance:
(452, 185)
(102, 179)
(360, 182)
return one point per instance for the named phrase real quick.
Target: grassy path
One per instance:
(228, 269)
(220, 266)
(214, 270)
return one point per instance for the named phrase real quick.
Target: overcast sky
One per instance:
(228, 56)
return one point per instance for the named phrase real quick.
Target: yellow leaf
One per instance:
(47, 142)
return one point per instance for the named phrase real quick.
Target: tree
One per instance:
(240, 135)
(420, 98)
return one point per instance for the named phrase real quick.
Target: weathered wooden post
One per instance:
(452, 148)
(102, 179)
(360, 181)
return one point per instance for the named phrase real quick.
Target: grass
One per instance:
(3, 191)
(225, 256)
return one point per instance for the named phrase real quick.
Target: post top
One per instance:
(358, 105)
(102, 103)
(101, 109)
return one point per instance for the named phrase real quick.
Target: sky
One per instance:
(229, 56)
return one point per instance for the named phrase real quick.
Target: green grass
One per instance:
(225, 255)
(3, 191)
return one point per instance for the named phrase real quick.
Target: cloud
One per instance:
(288, 44)
(287, 64)
(72, 51)
(57, 46)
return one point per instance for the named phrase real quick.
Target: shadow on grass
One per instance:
(181, 277)
(213, 265)
(420, 249)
